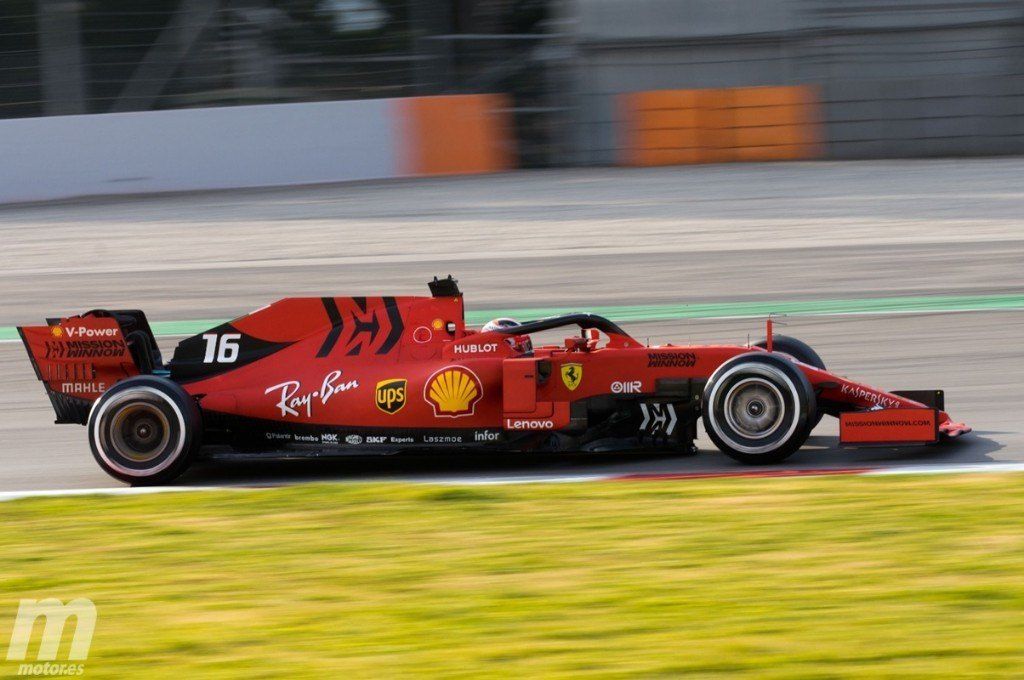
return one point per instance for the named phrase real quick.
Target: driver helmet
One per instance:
(520, 343)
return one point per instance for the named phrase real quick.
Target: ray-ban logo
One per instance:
(55, 615)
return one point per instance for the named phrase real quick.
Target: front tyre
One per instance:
(758, 408)
(799, 350)
(144, 430)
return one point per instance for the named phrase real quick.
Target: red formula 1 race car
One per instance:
(345, 375)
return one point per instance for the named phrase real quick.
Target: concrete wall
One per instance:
(243, 146)
(61, 156)
(897, 79)
(977, 116)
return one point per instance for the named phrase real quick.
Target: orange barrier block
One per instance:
(672, 119)
(775, 123)
(662, 128)
(769, 135)
(772, 96)
(454, 134)
(653, 100)
(668, 127)
(717, 122)
(761, 116)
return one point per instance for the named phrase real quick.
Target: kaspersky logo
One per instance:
(390, 395)
(453, 392)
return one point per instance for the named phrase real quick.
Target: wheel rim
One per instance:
(725, 380)
(754, 407)
(118, 443)
(139, 432)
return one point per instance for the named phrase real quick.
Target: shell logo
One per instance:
(453, 392)
(56, 331)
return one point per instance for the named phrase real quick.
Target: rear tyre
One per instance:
(799, 350)
(758, 408)
(144, 430)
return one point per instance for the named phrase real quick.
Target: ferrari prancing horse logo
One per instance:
(572, 375)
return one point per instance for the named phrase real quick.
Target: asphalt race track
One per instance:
(747, 233)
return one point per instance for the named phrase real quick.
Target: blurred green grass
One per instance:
(781, 578)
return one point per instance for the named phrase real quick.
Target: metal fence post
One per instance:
(60, 57)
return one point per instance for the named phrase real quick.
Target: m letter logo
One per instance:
(55, 614)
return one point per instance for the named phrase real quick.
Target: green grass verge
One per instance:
(824, 577)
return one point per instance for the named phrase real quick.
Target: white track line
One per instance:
(498, 481)
(966, 468)
(947, 469)
(113, 491)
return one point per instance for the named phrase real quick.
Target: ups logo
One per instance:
(390, 395)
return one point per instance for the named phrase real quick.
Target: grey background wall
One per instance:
(900, 79)
(211, 148)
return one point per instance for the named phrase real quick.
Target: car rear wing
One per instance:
(78, 358)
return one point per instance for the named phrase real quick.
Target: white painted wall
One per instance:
(214, 148)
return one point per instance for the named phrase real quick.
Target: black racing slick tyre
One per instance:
(799, 350)
(144, 430)
(758, 408)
